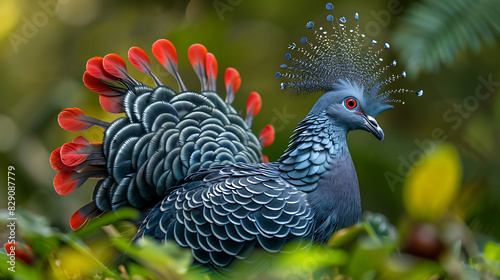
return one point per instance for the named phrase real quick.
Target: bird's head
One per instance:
(346, 65)
(347, 106)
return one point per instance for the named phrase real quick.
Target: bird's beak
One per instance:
(372, 126)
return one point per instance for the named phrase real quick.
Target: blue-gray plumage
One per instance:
(192, 159)
(224, 213)
(311, 191)
(165, 137)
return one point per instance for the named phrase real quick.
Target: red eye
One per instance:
(351, 103)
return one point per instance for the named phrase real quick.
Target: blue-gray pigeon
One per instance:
(190, 162)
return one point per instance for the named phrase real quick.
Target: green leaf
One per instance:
(137, 271)
(165, 259)
(367, 257)
(491, 255)
(109, 218)
(379, 228)
(432, 33)
(301, 263)
(492, 251)
(343, 236)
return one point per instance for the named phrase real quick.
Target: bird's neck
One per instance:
(318, 162)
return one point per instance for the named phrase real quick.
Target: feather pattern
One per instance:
(164, 137)
(165, 52)
(232, 81)
(206, 212)
(74, 119)
(194, 158)
(254, 103)
(211, 69)
(140, 60)
(197, 57)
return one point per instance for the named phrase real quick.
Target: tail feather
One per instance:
(165, 52)
(232, 81)
(197, 57)
(80, 140)
(140, 60)
(67, 181)
(266, 137)
(56, 162)
(254, 103)
(164, 136)
(97, 85)
(211, 69)
(111, 104)
(84, 214)
(95, 68)
(77, 156)
(115, 65)
(74, 119)
(73, 154)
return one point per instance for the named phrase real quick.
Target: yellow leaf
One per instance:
(9, 13)
(75, 264)
(432, 186)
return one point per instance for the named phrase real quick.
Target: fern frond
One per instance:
(434, 32)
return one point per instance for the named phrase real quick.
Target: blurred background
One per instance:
(447, 48)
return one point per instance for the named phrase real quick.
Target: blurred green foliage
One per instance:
(434, 32)
(448, 49)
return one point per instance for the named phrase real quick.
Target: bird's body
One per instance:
(319, 164)
(193, 164)
(225, 213)
(310, 192)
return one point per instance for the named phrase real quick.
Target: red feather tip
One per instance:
(55, 160)
(72, 119)
(77, 220)
(139, 59)
(232, 80)
(82, 215)
(165, 52)
(112, 104)
(254, 103)
(55, 157)
(80, 140)
(96, 85)
(71, 154)
(265, 159)
(22, 251)
(211, 66)
(266, 137)
(115, 65)
(197, 54)
(95, 68)
(65, 182)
